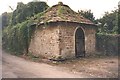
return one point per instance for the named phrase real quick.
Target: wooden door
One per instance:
(79, 43)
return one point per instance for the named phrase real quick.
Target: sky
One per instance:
(98, 7)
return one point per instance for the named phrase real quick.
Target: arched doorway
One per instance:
(79, 43)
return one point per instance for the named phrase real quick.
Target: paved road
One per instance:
(15, 67)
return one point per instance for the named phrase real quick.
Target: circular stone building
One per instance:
(63, 34)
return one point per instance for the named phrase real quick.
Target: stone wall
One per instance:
(67, 39)
(45, 41)
(58, 40)
(90, 40)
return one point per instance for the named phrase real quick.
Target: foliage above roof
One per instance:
(61, 12)
(25, 11)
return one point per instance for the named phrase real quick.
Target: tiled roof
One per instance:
(61, 12)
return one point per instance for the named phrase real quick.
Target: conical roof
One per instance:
(61, 12)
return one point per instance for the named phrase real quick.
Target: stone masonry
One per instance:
(62, 33)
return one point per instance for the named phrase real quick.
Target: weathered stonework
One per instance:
(63, 34)
(90, 40)
(58, 40)
(45, 41)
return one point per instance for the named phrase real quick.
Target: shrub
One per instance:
(17, 38)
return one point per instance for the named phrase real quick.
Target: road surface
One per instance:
(16, 67)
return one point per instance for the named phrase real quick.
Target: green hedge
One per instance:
(107, 44)
(17, 38)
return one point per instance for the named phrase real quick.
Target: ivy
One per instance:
(17, 38)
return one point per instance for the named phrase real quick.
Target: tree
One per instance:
(87, 14)
(109, 22)
(18, 29)
(6, 19)
(119, 20)
(24, 11)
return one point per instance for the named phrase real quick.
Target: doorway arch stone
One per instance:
(79, 42)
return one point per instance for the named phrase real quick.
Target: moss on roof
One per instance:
(61, 12)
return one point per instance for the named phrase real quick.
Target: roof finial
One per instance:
(60, 3)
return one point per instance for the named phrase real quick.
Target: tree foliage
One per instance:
(6, 19)
(24, 11)
(16, 36)
(87, 14)
(118, 21)
(109, 23)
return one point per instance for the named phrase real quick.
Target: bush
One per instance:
(17, 38)
(107, 44)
